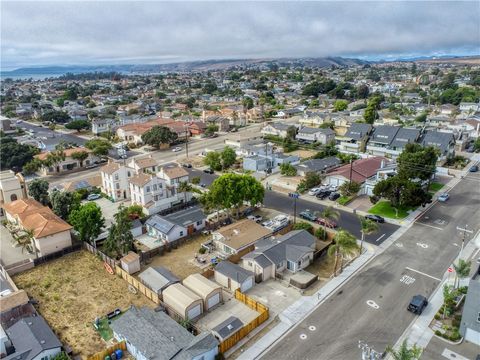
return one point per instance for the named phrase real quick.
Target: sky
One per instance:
(44, 33)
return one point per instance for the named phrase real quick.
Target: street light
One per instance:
(465, 231)
(295, 196)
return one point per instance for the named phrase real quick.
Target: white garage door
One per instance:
(194, 312)
(472, 336)
(247, 284)
(213, 300)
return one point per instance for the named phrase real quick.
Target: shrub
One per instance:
(320, 233)
(455, 336)
(303, 226)
(456, 323)
(202, 250)
(437, 317)
(438, 333)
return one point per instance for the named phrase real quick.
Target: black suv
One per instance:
(417, 304)
(334, 196)
(323, 194)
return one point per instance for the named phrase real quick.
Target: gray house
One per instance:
(356, 137)
(403, 137)
(31, 339)
(443, 141)
(319, 166)
(271, 162)
(157, 278)
(311, 135)
(155, 335)
(470, 325)
(382, 137)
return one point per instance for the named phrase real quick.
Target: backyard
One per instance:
(383, 208)
(71, 292)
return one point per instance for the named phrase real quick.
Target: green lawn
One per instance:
(383, 208)
(343, 200)
(435, 186)
(104, 328)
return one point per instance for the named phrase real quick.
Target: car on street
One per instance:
(177, 149)
(326, 222)
(376, 218)
(474, 168)
(308, 215)
(314, 191)
(417, 304)
(91, 166)
(188, 166)
(92, 197)
(257, 218)
(334, 196)
(208, 171)
(443, 197)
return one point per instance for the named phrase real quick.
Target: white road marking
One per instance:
(424, 274)
(400, 245)
(380, 238)
(312, 328)
(430, 226)
(408, 280)
(422, 245)
(449, 354)
(303, 336)
(373, 304)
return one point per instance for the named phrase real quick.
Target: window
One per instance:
(13, 197)
(154, 187)
(117, 186)
(250, 264)
(128, 174)
(199, 222)
(148, 189)
(478, 318)
(155, 197)
(181, 233)
(116, 176)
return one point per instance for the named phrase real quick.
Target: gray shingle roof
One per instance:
(358, 130)
(438, 139)
(317, 165)
(404, 137)
(384, 134)
(233, 271)
(160, 223)
(228, 327)
(30, 336)
(471, 308)
(186, 216)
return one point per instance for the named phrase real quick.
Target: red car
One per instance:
(328, 223)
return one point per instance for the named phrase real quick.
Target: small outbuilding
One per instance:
(183, 301)
(131, 262)
(209, 291)
(227, 328)
(233, 277)
(157, 278)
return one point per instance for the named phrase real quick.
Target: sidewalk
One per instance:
(304, 306)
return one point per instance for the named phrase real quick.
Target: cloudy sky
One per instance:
(115, 32)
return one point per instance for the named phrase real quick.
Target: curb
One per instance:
(448, 341)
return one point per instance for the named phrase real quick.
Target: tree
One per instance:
(288, 169)
(59, 117)
(417, 161)
(476, 145)
(213, 159)
(320, 233)
(247, 103)
(228, 157)
(404, 352)
(211, 129)
(120, 238)
(462, 270)
(78, 125)
(344, 245)
(340, 105)
(134, 211)
(291, 132)
(38, 189)
(80, 156)
(88, 221)
(421, 118)
(159, 135)
(370, 114)
(349, 188)
(311, 180)
(32, 167)
(448, 300)
(196, 180)
(363, 91)
(184, 187)
(233, 190)
(329, 213)
(63, 203)
(26, 239)
(99, 147)
(14, 155)
(367, 227)
(302, 225)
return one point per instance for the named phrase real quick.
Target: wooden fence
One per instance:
(102, 354)
(112, 262)
(57, 254)
(138, 285)
(248, 328)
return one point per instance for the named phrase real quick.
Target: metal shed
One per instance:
(209, 291)
(158, 278)
(184, 301)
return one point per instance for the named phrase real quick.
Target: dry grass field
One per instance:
(71, 292)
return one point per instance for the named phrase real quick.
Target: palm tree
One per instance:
(462, 270)
(328, 213)
(26, 239)
(367, 227)
(345, 245)
(404, 352)
(185, 187)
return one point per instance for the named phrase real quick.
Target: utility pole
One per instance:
(186, 139)
(295, 196)
(465, 231)
(351, 169)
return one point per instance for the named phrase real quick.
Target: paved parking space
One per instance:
(274, 294)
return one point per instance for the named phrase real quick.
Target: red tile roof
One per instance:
(361, 169)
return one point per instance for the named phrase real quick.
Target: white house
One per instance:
(12, 187)
(69, 163)
(115, 178)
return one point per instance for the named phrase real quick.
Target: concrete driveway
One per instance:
(274, 294)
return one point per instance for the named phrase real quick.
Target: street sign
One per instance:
(450, 269)
(294, 195)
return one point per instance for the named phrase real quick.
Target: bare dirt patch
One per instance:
(71, 292)
(303, 154)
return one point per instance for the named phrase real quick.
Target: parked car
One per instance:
(326, 222)
(334, 196)
(474, 168)
(188, 166)
(417, 304)
(257, 218)
(443, 197)
(314, 191)
(308, 215)
(376, 218)
(203, 185)
(91, 166)
(92, 197)
(323, 194)
(208, 171)
(333, 187)
(177, 149)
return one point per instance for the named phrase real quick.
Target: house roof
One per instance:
(228, 327)
(158, 337)
(280, 126)
(21, 206)
(110, 168)
(290, 246)
(186, 216)
(316, 165)
(43, 222)
(145, 162)
(130, 257)
(242, 233)
(471, 308)
(361, 169)
(405, 136)
(233, 271)
(140, 179)
(184, 297)
(71, 186)
(310, 130)
(157, 278)
(200, 285)
(174, 172)
(358, 130)
(384, 134)
(67, 152)
(438, 139)
(30, 336)
(161, 224)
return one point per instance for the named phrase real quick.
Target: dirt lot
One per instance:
(303, 154)
(181, 261)
(72, 291)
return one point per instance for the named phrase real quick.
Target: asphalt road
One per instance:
(283, 203)
(414, 264)
(51, 138)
